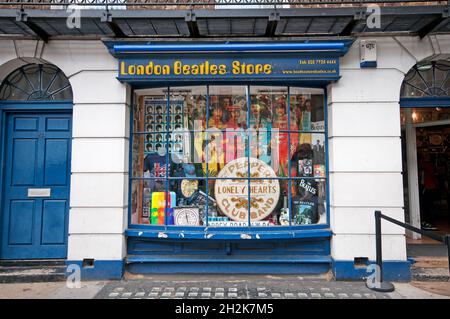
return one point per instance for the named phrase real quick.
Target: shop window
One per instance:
(36, 82)
(427, 79)
(229, 156)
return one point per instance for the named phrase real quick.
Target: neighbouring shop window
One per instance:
(427, 79)
(229, 156)
(426, 115)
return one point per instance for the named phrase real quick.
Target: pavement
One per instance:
(221, 287)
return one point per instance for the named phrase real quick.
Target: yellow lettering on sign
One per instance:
(238, 67)
(177, 67)
(140, 69)
(203, 68)
(122, 68)
(222, 69)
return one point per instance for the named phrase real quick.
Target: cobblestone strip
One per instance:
(150, 290)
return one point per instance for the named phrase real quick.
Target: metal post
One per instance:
(379, 286)
(379, 244)
(447, 242)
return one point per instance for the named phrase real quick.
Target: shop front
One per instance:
(212, 147)
(228, 156)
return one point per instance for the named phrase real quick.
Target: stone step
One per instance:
(32, 262)
(31, 271)
(430, 262)
(430, 274)
(56, 269)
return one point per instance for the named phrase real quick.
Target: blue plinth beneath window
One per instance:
(262, 252)
(392, 270)
(95, 270)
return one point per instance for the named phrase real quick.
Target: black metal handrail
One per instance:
(193, 3)
(386, 286)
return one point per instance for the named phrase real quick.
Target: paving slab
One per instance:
(41, 290)
(222, 287)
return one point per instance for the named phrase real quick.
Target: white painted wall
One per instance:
(99, 185)
(365, 146)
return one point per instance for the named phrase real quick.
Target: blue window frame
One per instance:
(140, 132)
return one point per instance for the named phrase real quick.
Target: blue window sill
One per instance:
(250, 234)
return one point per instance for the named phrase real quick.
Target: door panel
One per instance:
(55, 162)
(24, 174)
(34, 223)
(26, 124)
(21, 216)
(54, 221)
(58, 124)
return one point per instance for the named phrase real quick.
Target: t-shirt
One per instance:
(305, 213)
(156, 165)
(308, 189)
(305, 203)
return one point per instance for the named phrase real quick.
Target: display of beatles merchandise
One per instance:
(308, 188)
(284, 216)
(146, 204)
(155, 164)
(158, 206)
(160, 129)
(305, 203)
(319, 170)
(305, 213)
(188, 187)
(199, 199)
(186, 216)
(305, 167)
(318, 126)
(306, 121)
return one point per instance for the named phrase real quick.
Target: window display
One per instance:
(229, 156)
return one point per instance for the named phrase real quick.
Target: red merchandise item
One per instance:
(234, 135)
(282, 138)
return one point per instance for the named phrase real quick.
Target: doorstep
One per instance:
(430, 268)
(430, 262)
(29, 271)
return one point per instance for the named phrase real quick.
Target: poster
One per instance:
(160, 126)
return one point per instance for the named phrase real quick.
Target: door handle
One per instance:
(39, 192)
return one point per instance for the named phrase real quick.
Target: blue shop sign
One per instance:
(265, 67)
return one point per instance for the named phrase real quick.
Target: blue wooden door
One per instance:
(35, 203)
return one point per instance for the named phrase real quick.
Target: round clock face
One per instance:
(188, 187)
(186, 217)
(436, 139)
